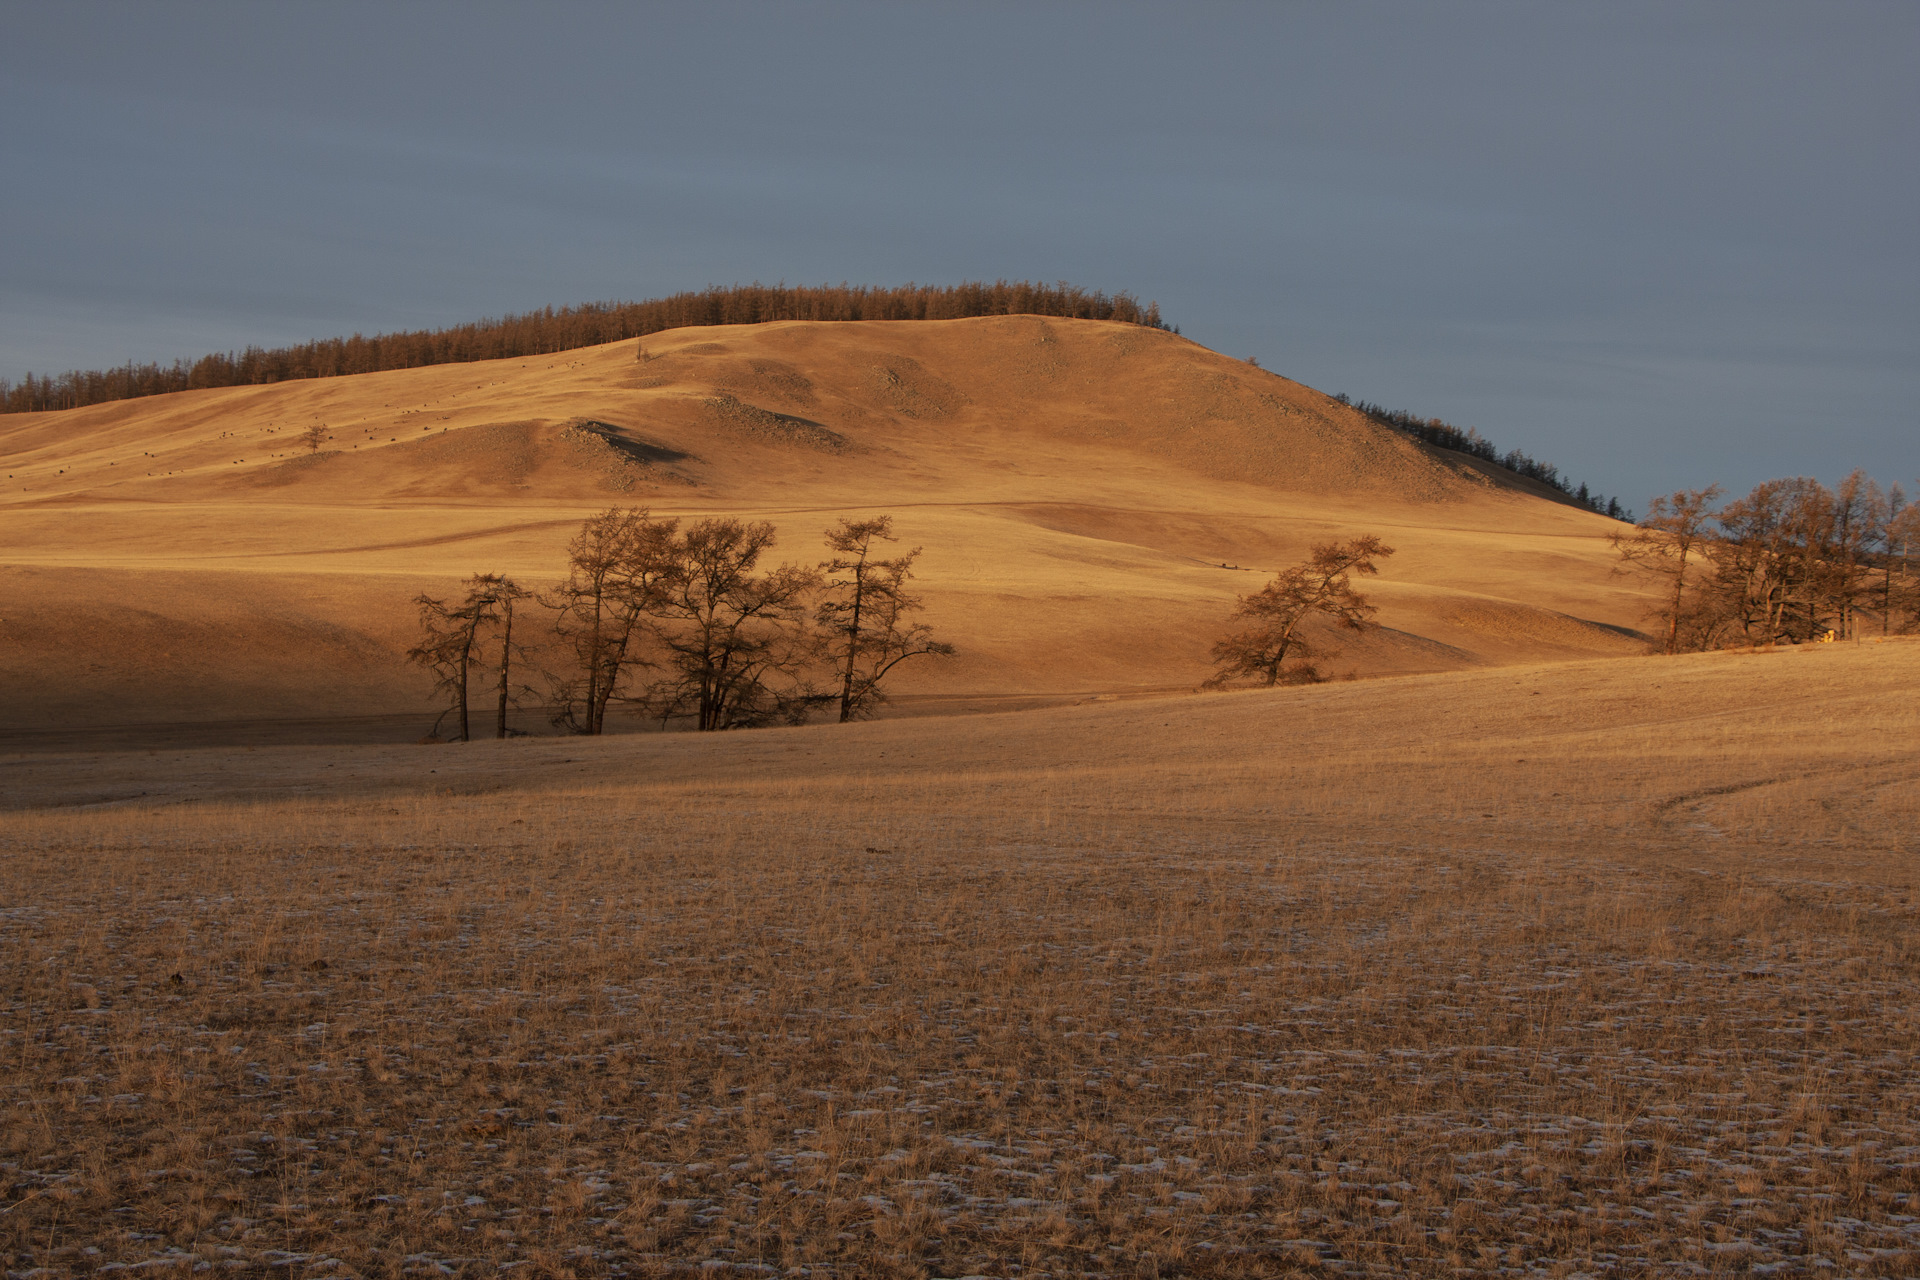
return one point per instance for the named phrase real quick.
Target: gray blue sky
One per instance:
(1658, 245)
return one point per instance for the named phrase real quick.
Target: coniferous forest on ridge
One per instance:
(551, 329)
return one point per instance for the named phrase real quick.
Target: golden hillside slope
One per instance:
(1091, 496)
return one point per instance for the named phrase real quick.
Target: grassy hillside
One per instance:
(1091, 495)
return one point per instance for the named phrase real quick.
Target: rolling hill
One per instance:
(1091, 495)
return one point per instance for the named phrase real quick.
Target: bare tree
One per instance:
(736, 640)
(451, 636)
(500, 593)
(314, 436)
(1809, 548)
(618, 569)
(1666, 547)
(1754, 561)
(1859, 516)
(1320, 586)
(1898, 540)
(864, 610)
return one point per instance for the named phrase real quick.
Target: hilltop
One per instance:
(1092, 495)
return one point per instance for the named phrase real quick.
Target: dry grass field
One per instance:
(1604, 967)
(1534, 958)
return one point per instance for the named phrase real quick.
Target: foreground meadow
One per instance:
(1605, 967)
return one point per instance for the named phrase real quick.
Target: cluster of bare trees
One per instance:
(1793, 561)
(1271, 647)
(684, 623)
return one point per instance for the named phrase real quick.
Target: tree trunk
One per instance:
(506, 663)
(593, 664)
(1280, 659)
(853, 638)
(1673, 609)
(709, 718)
(466, 656)
(1886, 596)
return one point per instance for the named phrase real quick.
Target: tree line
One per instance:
(1444, 435)
(1791, 562)
(683, 623)
(550, 330)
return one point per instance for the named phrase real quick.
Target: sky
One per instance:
(1658, 245)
